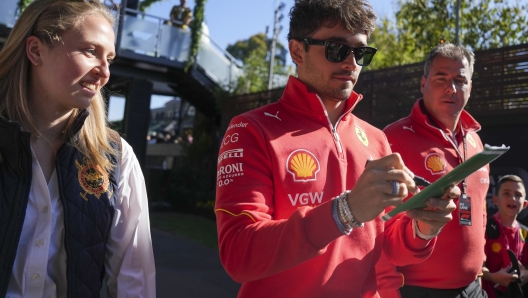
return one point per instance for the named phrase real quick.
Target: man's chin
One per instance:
(345, 94)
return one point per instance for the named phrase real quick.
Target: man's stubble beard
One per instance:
(328, 92)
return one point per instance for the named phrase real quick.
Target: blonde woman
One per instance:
(73, 205)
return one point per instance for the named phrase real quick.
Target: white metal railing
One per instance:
(150, 35)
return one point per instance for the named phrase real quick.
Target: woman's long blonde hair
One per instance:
(48, 20)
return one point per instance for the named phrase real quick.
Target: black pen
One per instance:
(420, 181)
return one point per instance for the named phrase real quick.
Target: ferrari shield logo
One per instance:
(362, 136)
(470, 140)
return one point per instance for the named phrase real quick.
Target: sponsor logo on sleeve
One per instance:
(496, 247)
(362, 136)
(228, 139)
(303, 165)
(234, 153)
(408, 128)
(272, 115)
(524, 234)
(471, 141)
(304, 199)
(237, 125)
(435, 163)
(226, 174)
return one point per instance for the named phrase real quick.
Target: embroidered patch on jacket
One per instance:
(470, 140)
(303, 165)
(523, 234)
(435, 164)
(362, 136)
(496, 247)
(92, 180)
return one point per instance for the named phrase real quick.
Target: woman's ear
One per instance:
(34, 50)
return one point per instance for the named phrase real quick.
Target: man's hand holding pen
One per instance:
(386, 182)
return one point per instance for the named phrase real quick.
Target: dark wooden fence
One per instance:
(499, 102)
(500, 88)
(499, 95)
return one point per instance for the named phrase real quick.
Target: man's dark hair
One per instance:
(507, 178)
(306, 16)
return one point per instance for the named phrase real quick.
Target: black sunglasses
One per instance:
(337, 52)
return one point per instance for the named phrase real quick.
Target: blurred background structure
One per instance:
(174, 89)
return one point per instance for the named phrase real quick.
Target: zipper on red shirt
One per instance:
(338, 139)
(446, 137)
(461, 157)
(333, 129)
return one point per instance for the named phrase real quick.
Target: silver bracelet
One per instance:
(339, 224)
(346, 213)
(348, 225)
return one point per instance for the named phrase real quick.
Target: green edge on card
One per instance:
(458, 174)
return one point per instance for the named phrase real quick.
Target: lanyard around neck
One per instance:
(464, 144)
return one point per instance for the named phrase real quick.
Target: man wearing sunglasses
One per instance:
(436, 137)
(297, 206)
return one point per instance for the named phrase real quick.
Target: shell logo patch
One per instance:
(303, 165)
(92, 180)
(496, 247)
(435, 164)
(362, 136)
(470, 140)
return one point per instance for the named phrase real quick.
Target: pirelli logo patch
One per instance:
(303, 165)
(234, 153)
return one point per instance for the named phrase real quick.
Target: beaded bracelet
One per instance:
(346, 214)
(347, 223)
(339, 224)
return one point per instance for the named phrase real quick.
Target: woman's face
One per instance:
(74, 70)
